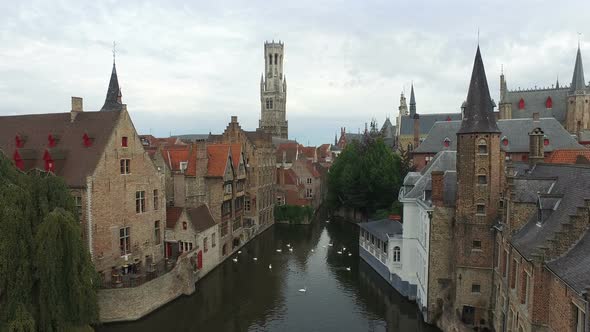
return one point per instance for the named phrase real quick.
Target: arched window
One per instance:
(276, 59)
(184, 225)
(482, 146)
(521, 104)
(447, 142)
(549, 103)
(481, 208)
(396, 254)
(270, 59)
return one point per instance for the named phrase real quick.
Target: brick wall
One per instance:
(440, 271)
(113, 203)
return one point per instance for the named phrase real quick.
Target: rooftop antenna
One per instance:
(477, 36)
(114, 50)
(579, 37)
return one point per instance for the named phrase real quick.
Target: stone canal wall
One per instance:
(129, 304)
(126, 304)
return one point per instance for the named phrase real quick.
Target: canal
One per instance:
(342, 292)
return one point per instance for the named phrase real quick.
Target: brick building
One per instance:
(118, 190)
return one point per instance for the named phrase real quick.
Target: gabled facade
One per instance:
(118, 190)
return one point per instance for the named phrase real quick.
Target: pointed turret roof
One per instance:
(479, 109)
(113, 100)
(412, 102)
(578, 83)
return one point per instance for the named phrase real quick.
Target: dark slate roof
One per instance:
(578, 83)
(73, 160)
(388, 129)
(193, 137)
(352, 137)
(382, 228)
(526, 190)
(479, 108)
(515, 130)
(534, 101)
(574, 267)
(200, 217)
(572, 187)
(444, 161)
(585, 136)
(426, 122)
(412, 102)
(112, 101)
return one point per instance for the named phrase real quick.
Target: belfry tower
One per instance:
(273, 92)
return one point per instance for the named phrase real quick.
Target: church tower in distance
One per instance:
(273, 92)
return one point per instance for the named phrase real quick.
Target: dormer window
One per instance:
(545, 141)
(51, 141)
(18, 161)
(19, 141)
(521, 104)
(505, 141)
(549, 103)
(183, 166)
(447, 142)
(124, 141)
(87, 140)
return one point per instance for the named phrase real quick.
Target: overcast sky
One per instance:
(186, 68)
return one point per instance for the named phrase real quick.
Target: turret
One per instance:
(412, 102)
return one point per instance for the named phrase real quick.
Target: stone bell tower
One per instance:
(273, 92)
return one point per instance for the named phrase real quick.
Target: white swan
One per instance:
(349, 254)
(270, 266)
(343, 248)
(255, 259)
(327, 221)
(348, 269)
(311, 250)
(304, 289)
(339, 252)
(323, 246)
(330, 244)
(279, 250)
(239, 252)
(291, 249)
(235, 260)
(288, 244)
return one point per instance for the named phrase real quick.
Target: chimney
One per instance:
(536, 146)
(234, 119)
(536, 116)
(416, 131)
(202, 158)
(437, 187)
(77, 107)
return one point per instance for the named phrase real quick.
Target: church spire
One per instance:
(578, 83)
(479, 109)
(113, 99)
(412, 102)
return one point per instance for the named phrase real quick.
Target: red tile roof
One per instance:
(175, 154)
(290, 150)
(307, 151)
(173, 213)
(578, 156)
(218, 157)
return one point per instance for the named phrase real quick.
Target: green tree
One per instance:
(47, 280)
(366, 176)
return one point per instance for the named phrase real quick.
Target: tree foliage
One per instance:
(366, 176)
(46, 276)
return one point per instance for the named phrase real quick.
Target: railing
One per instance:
(126, 277)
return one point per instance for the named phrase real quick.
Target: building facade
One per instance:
(273, 92)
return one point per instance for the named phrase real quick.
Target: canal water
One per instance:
(248, 296)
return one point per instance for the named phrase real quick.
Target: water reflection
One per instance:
(247, 296)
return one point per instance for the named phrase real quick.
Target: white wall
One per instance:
(410, 242)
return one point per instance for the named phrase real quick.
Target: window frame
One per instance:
(157, 232)
(140, 206)
(156, 196)
(125, 166)
(124, 141)
(125, 240)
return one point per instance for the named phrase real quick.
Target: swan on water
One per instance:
(330, 244)
(339, 252)
(343, 248)
(235, 260)
(311, 250)
(323, 246)
(279, 250)
(291, 249)
(348, 269)
(349, 254)
(327, 221)
(270, 266)
(304, 289)
(239, 252)
(288, 244)
(255, 259)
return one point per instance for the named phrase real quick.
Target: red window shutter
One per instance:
(521, 104)
(19, 142)
(200, 260)
(549, 103)
(124, 141)
(505, 142)
(546, 141)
